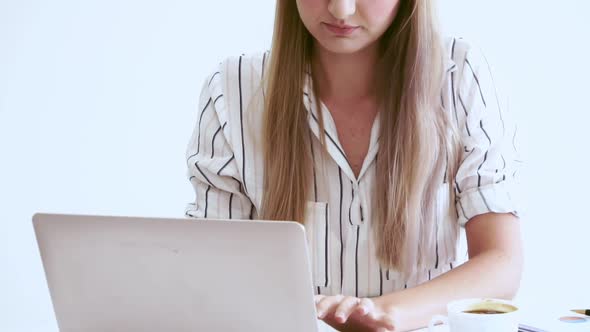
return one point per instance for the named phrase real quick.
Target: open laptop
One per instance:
(152, 274)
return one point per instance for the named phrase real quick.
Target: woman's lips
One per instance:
(341, 30)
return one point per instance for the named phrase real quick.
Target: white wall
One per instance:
(98, 99)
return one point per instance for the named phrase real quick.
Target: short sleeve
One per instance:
(212, 168)
(485, 178)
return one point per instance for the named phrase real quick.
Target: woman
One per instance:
(386, 141)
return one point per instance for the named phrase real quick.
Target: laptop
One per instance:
(128, 274)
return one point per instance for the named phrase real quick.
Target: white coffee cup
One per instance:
(460, 319)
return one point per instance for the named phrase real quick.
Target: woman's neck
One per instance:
(345, 77)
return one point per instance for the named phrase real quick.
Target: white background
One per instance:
(98, 100)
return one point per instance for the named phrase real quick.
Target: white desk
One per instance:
(545, 318)
(327, 328)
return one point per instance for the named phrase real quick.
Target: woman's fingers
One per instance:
(327, 304)
(345, 308)
(365, 307)
(385, 321)
(339, 309)
(318, 298)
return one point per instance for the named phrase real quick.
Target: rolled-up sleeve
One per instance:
(489, 160)
(212, 168)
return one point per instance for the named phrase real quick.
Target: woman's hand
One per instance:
(347, 313)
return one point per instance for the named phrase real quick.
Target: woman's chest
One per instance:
(353, 126)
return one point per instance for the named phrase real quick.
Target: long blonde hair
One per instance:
(416, 141)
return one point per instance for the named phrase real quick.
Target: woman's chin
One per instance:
(341, 45)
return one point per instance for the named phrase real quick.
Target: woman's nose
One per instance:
(342, 9)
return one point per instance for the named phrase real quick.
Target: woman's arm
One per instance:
(483, 186)
(493, 270)
(211, 165)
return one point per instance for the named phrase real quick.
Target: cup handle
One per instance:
(435, 320)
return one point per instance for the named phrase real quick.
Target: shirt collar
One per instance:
(330, 133)
(333, 146)
(449, 64)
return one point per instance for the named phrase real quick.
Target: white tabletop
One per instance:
(545, 318)
(323, 327)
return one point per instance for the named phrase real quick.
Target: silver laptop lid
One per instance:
(152, 274)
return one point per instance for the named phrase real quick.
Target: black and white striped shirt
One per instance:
(225, 167)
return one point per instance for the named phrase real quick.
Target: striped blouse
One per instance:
(225, 166)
